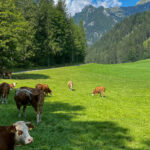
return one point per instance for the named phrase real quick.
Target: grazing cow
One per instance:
(44, 88)
(29, 96)
(8, 75)
(12, 85)
(4, 92)
(99, 90)
(16, 134)
(70, 85)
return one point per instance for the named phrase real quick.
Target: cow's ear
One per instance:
(12, 129)
(30, 126)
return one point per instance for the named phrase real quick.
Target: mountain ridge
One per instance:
(127, 41)
(98, 21)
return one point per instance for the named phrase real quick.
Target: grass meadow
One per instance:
(74, 120)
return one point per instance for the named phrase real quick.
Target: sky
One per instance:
(74, 6)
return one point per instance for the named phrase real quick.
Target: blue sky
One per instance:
(75, 6)
(128, 2)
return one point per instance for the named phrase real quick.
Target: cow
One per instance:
(15, 135)
(44, 88)
(70, 85)
(4, 92)
(12, 85)
(99, 90)
(8, 75)
(1, 74)
(25, 96)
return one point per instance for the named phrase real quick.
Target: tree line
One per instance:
(39, 33)
(127, 41)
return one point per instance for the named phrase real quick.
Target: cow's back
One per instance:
(34, 98)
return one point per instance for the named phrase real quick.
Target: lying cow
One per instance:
(44, 88)
(70, 85)
(16, 134)
(8, 75)
(99, 90)
(29, 96)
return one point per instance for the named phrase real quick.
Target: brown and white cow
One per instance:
(44, 88)
(4, 92)
(99, 90)
(29, 96)
(70, 85)
(16, 134)
(12, 85)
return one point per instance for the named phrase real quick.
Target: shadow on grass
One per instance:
(62, 130)
(29, 76)
(147, 144)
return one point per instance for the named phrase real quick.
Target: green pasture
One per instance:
(74, 120)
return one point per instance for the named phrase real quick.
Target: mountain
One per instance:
(127, 41)
(98, 21)
(142, 2)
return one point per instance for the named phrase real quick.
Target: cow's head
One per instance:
(93, 93)
(49, 91)
(22, 132)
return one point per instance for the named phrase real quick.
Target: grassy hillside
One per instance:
(74, 120)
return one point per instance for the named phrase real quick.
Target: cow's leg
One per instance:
(3, 99)
(6, 99)
(38, 118)
(24, 111)
(102, 94)
(19, 110)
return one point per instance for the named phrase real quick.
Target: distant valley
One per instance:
(98, 21)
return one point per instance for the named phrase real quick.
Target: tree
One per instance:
(14, 35)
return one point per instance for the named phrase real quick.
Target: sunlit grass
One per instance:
(74, 120)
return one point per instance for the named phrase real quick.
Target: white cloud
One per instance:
(75, 6)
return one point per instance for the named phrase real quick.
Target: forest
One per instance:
(127, 41)
(39, 33)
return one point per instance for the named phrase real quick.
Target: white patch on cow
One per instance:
(38, 118)
(14, 84)
(24, 138)
(24, 90)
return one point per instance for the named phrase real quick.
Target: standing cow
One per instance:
(99, 90)
(70, 85)
(29, 96)
(16, 134)
(4, 92)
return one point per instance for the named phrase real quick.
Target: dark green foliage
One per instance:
(127, 41)
(15, 35)
(38, 33)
